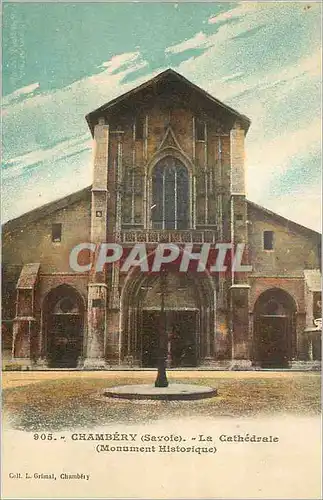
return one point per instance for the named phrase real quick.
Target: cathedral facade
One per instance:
(168, 167)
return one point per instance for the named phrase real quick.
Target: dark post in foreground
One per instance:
(161, 380)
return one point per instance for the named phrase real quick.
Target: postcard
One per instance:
(161, 250)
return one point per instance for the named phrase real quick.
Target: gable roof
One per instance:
(44, 210)
(168, 76)
(49, 208)
(283, 220)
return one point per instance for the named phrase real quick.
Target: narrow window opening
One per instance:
(268, 240)
(139, 128)
(56, 233)
(200, 130)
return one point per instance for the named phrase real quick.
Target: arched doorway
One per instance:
(63, 316)
(170, 195)
(274, 329)
(189, 319)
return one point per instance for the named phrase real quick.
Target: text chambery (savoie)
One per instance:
(134, 437)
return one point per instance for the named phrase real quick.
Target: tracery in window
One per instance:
(133, 187)
(170, 195)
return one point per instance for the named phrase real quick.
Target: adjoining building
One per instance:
(168, 167)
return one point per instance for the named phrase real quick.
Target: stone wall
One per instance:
(295, 249)
(33, 242)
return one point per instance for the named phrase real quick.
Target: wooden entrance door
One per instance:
(65, 340)
(181, 334)
(273, 341)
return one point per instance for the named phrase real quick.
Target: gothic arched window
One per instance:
(170, 195)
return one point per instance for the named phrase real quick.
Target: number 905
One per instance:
(43, 437)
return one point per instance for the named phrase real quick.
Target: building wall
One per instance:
(292, 285)
(294, 250)
(129, 156)
(122, 168)
(33, 243)
(169, 128)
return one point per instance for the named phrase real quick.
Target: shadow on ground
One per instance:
(55, 405)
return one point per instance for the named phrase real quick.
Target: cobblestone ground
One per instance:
(36, 401)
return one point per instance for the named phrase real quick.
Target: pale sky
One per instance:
(61, 61)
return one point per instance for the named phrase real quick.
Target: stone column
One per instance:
(221, 341)
(310, 347)
(241, 348)
(300, 348)
(145, 200)
(194, 202)
(22, 333)
(24, 346)
(113, 323)
(42, 362)
(97, 288)
(239, 290)
(97, 299)
(207, 335)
